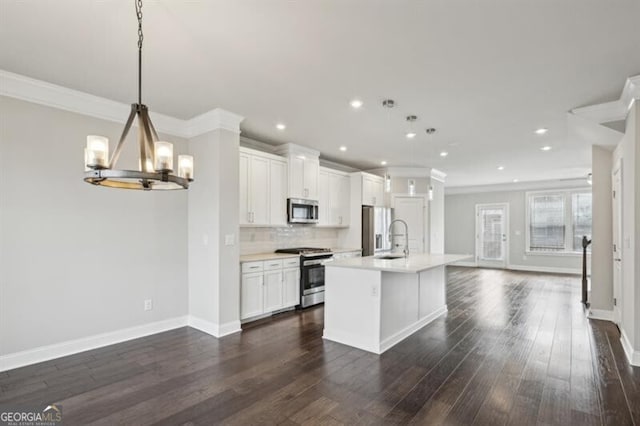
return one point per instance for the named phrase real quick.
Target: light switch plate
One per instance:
(229, 239)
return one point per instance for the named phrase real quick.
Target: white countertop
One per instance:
(257, 257)
(413, 264)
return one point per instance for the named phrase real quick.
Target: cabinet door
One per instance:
(259, 190)
(296, 177)
(345, 201)
(291, 287)
(367, 191)
(378, 192)
(324, 201)
(272, 290)
(251, 295)
(278, 192)
(245, 216)
(311, 171)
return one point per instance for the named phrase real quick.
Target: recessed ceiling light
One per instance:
(516, 180)
(280, 126)
(356, 103)
(501, 168)
(410, 135)
(444, 154)
(541, 131)
(343, 148)
(546, 148)
(384, 163)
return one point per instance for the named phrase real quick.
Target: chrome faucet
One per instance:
(406, 235)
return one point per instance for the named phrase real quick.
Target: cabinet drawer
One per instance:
(294, 262)
(252, 267)
(270, 265)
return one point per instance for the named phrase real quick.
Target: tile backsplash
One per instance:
(265, 240)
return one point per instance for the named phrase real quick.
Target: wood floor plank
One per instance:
(514, 348)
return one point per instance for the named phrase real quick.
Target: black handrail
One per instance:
(585, 244)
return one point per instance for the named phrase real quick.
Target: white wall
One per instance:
(460, 221)
(78, 260)
(436, 218)
(628, 152)
(601, 296)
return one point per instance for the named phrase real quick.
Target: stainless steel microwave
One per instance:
(302, 211)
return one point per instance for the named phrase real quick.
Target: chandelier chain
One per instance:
(138, 5)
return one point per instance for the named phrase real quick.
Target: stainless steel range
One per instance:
(312, 261)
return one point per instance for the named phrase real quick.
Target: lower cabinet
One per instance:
(269, 290)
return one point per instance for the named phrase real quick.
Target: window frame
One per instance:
(567, 196)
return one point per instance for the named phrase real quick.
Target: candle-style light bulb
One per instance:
(185, 166)
(163, 156)
(97, 152)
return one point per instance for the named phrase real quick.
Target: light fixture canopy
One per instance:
(541, 131)
(281, 126)
(155, 157)
(356, 103)
(546, 148)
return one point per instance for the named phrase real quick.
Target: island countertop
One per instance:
(413, 264)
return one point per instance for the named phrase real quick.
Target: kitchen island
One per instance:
(373, 303)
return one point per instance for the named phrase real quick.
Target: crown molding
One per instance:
(519, 186)
(213, 120)
(438, 175)
(43, 93)
(615, 110)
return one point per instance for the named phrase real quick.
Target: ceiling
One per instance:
(484, 73)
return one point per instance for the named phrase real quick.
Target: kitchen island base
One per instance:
(374, 310)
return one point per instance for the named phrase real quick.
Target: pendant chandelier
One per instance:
(155, 157)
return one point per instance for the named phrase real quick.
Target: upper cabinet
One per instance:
(263, 182)
(372, 190)
(334, 198)
(304, 171)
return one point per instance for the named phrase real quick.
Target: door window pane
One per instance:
(581, 214)
(492, 230)
(546, 227)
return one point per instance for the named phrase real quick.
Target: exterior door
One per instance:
(411, 210)
(491, 235)
(617, 242)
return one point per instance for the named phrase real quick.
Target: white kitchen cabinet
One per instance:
(278, 192)
(324, 201)
(259, 190)
(339, 199)
(334, 199)
(273, 291)
(291, 287)
(372, 190)
(269, 286)
(251, 297)
(263, 189)
(304, 167)
(303, 177)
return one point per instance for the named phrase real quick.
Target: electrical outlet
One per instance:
(374, 290)
(148, 304)
(229, 239)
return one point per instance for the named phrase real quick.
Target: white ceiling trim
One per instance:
(519, 186)
(438, 175)
(615, 110)
(40, 92)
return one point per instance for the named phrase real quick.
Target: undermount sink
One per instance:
(389, 256)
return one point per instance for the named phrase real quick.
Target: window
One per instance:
(557, 221)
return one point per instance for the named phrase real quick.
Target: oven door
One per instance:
(312, 279)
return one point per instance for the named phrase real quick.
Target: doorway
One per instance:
(411, 210)
(616, 183)
(492, 223)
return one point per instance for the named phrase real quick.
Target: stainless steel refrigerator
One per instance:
(375, 230)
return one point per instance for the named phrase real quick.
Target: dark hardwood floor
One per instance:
(515, 348)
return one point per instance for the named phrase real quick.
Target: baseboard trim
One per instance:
(70, 347)
(600, 314)
(547, 269)
(632, 355)
(396, 338)
(216, 330)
